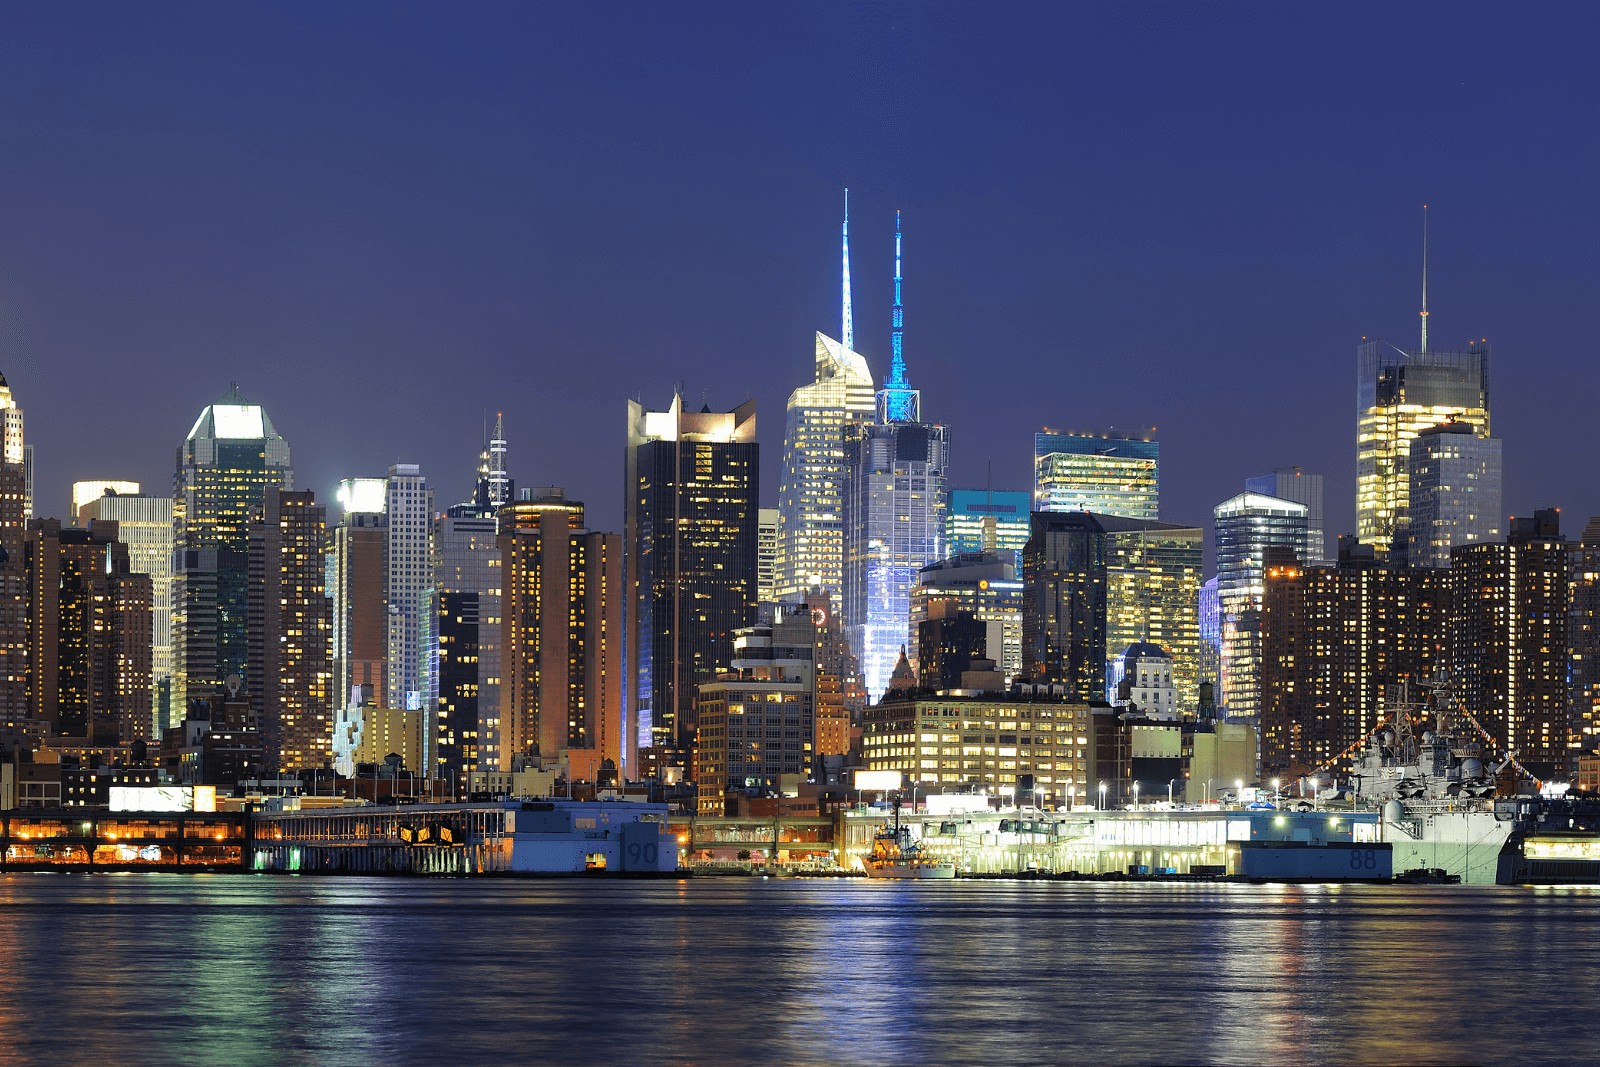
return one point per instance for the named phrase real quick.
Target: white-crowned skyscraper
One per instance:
(1454, 493)
(823, 416)
(1248, 525)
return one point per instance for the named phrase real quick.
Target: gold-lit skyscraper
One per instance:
(561, 635)
(1400, 394)
(1153, 574)
(290, 675)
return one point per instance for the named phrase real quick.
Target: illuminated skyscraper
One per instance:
(822, 417)
(1398, 395)
(561, 635)
(1303, 487)
(466, 577)
(1583, 630)
(1153, 596)
(360, 620)
(980, 520)
(690, 568)
(1064, 603)
(408, 565)
(144, 524)
(290, 677)
(231, 457)
(1454, 493)
(89, 674)
(894, 509)
(1246, 527)
(1108, 474)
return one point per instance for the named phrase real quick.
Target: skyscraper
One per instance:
(1108, 473)
(690, 567)
(1064, 603)
(360, 618)
(980, 520)
(13, 590)
(144, 524)
(1246, 526)
(89, 674)
(894, 508)
(290, 676)
(1153, 574)
(562, 635)
(1398, 395)
(1583, 630)
(231, 457)
(1303, 487)
(408, 514)
(1508, 639)
(467, 572)
(1454, 498)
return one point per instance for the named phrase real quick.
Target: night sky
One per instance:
(386, 223)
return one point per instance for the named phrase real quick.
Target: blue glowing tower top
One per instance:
(847, 330)
(897, 401)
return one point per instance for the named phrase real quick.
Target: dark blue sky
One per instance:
(385, 222)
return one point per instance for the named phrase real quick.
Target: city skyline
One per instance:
(1021, 283)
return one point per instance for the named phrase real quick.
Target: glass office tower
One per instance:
(980, 520)
(1398, 395)
(1109, 474)
(1246, 526)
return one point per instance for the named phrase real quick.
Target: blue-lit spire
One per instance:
(897, 401)
(847, 331)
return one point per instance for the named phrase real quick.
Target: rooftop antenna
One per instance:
(1424, 279)
(847, 330)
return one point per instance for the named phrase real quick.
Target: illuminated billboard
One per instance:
(877, 781)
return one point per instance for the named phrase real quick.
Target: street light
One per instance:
(1277, 794)
(1170, 784)
(1314, 794)
(1072, 795)
(1135, 792)
(1102, 795)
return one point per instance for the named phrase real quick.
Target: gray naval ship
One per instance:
(1448, 807)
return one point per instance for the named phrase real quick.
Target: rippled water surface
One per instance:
(271, 970)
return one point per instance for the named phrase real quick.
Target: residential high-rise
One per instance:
(1064, 603)
(1246, 527)
(1454, 498)
(144, 524)
(980, 520)
(290, 675)
(1303, 487)
(983, 586)
(1509, 640)
(1107, 473)
(359, 545)
(1153, 574)
(561, 636)
(13, 590)
(756, 721)
(89, 615)
(690, 568)
(232, 456)
(466, 576)
(1583, 639)
(1336, 640)
(894, 509)
(767, 555)
(408, 585)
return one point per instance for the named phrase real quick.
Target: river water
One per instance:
(152, 968)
